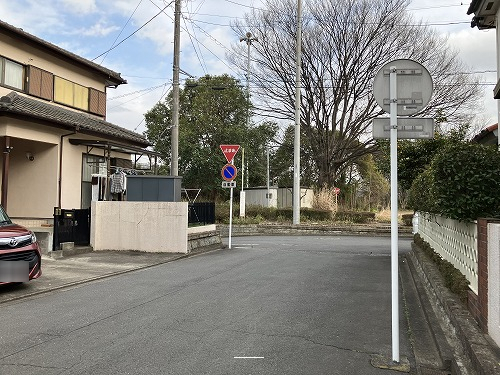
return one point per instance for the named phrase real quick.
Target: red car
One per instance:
(20, 256)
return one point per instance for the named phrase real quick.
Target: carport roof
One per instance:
(21, 106)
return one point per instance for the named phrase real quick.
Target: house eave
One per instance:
(485, 12)
(112, 78)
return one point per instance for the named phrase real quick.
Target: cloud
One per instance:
(476, 48)
(98, 29)
(80, 6)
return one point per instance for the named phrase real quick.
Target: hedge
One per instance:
(286, 214)
(461, 183)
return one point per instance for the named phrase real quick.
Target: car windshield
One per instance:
(4, 218)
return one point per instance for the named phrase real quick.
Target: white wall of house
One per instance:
(32, 184)
(141, 226)
(493, 282)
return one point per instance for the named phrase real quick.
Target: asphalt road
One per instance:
(295, 305)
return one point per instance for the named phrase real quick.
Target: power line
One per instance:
(243, 5)
(203, 66)
(159, 100)
(444, 23)
(144, 93)
(195, 38)
(128, 37)
(137, 92)
(438, 6)
(123, 28)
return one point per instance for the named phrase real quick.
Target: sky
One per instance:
(90, 28)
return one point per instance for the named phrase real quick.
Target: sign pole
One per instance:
(230, 214)
(229, 174)
(393, 95)
(408, 82)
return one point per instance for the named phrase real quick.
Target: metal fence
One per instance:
(71, 226)
(201, 213)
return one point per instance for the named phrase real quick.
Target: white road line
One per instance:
(248, 357)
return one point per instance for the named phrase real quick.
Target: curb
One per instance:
(472, 348)
(311, 229)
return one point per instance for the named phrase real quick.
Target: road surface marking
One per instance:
(248, 357)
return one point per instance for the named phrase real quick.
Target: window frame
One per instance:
(3, 67)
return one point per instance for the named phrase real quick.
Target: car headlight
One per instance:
(33, 237)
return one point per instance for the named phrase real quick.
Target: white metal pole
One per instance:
(230, 214)
(296, 143)
(242, 168)
(498, 78)
(268, 182)
(394, 212)
(174, 163)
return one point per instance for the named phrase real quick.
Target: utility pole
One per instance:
(174, 164)
(248, 38)
(296, 143)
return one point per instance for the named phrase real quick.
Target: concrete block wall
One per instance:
(140, 226)
(493, 280)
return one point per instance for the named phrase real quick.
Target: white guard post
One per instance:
(393, 95)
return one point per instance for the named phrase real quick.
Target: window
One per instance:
(70, 93)
(12, 74)
(92, 164)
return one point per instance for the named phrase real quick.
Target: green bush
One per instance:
(462, 183)
(468, 181)
(421, 196)
(360, 217)
(258, 214)
(453, 278)
(312, 214)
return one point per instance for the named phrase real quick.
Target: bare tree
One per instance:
(344, 43)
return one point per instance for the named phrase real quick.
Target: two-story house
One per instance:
(53, 129)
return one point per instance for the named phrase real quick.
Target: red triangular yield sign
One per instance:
(229, 151)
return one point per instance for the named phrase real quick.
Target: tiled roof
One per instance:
(15, 103)
(112, 76)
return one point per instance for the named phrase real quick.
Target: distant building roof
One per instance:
(487, 136)
(113, 78)
(22, 106)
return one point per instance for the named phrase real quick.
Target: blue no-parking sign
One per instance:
(229, 172)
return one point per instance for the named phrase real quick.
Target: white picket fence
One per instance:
(455, 241)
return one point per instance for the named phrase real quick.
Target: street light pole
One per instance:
(296, 143)
(174, 164)
(248, 38)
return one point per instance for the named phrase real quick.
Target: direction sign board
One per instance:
(229, 172)
(408, 128)
(414, 87)
(229, 151)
